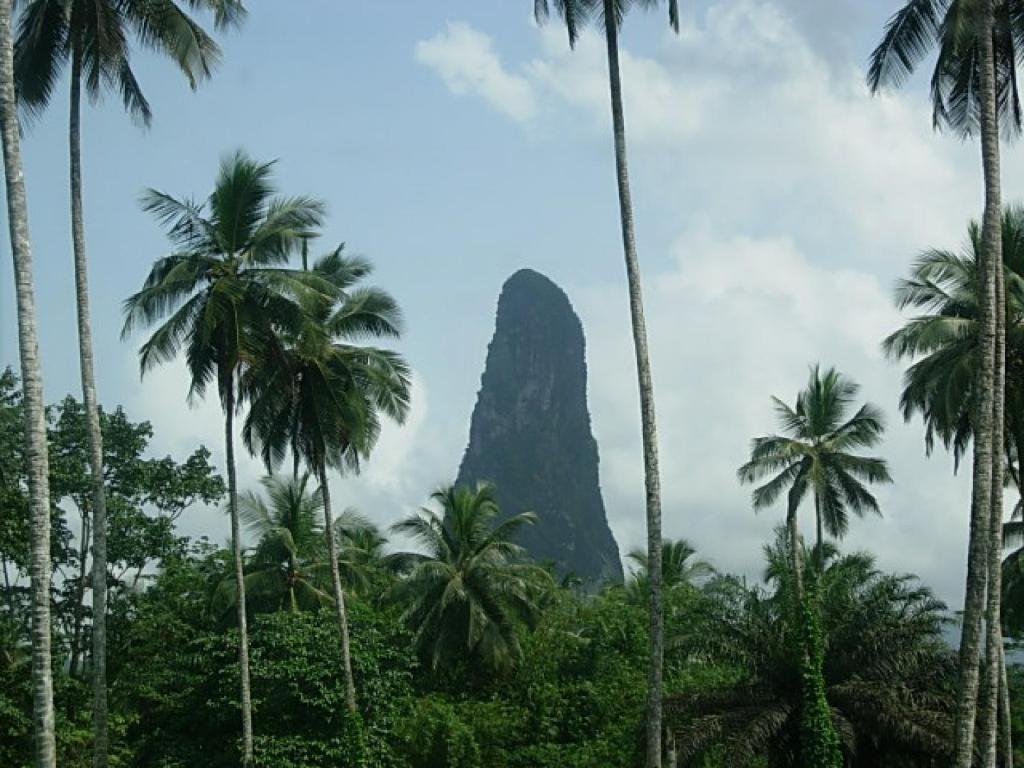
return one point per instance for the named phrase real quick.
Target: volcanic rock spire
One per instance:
(530, 433)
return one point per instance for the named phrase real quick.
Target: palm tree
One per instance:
(611, 14)
(815, 454)
(888, 673)
(283, 572)
(679, 567)
(35, 418)
(942, 341)
(92, 35)
(974, 87)
(220, 290)
(288, 569)
(464, 596)
(324, 396)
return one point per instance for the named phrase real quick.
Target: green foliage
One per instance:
(179, 680)
(323, 394)
(886, 675)
(941, 341)
(435, 736)
(678, 567)
(465, 597)
(819, 743)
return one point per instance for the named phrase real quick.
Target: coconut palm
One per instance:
(610, 15)
(323, 398)
(465, 594)
(815, 455)
(888, 673)
(942, 341)
(974, 89)
(678, 566)
(220, 290)
(283, 571)
(34, 409)
(92, 36)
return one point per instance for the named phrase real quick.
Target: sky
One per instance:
(455, 142)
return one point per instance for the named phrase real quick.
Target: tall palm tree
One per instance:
(464, 596)
(815, 454)
(610, 15)
(92, 36)
(220, 290)
(974, 88)
(35, 418)
(944, 346)
(324, 396)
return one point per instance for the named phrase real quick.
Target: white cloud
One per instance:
(736, 320)
(795, 198)
(467, 62)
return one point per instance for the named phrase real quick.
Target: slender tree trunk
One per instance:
(1005, 718)
(671, 754)
(236, 547)
(293, 570)
(92, 427)
(989, 704)
(35, 419)
(981, 492)
(652, 480)
(819, 552)
(83, 554)
(339, 594)
(794, 555)
(8, 590)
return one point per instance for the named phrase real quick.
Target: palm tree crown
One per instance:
(283, 572)
(575, 14)
(678, 565)
(224, 284)
(943, 340)
(815, 453)
(951, 27)
(94, 37)
(323, 397)
(466, 593)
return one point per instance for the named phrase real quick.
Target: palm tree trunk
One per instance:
(35, 419)
(339, 594)
(989, 704)
(981, 492)
(652, 480)
(819, 552)
(1005, 717)
(83, 555)
(671, 754)
(794, 555)
(92, 426)
(236, 546)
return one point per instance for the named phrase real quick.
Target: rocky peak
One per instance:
(530, 432)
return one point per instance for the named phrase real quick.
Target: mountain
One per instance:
(530, 433)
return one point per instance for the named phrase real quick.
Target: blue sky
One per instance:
(455, 142)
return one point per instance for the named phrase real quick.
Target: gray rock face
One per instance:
(530, 433)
